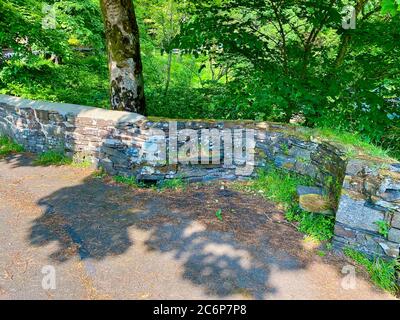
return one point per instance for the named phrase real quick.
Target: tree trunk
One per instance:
(169, 65)
(347, 35)
(124, 62)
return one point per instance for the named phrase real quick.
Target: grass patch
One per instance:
(52, 158)
(129, 181)
(81, 163)
(353, 143)
(280, 186)
(318, 226)
(172, 184)
(100, 173)
(8, 146)
(382, 273)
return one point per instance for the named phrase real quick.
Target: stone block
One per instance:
(341, 231)
(391, 195)
(391, 249)
(394, 235)
(56, 117)
(314, 200)
(302, 190)
(285, 162)
(355, 167)
(357, 214)
(42, 115)
(396, 220)
(107, 165)
(395, 167)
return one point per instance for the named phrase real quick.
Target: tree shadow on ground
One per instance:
(97, 219)
(92, 221)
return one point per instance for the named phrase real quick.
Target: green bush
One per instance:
(279, 185)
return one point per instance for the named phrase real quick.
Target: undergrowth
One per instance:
(129, 181)
(52, 158)
(76, 163)
(280, 186)
(8, 146)
(172, 184)
(352, 142)
(318, 226)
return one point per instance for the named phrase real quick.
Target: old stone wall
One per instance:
(153, 149)
(369, 207)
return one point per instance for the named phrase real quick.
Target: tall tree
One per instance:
(124, 61)
(163, 19)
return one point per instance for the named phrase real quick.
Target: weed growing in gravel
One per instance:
(7, 146)
(280, 186)
(382, 273)
(218, 214)
(52, 158)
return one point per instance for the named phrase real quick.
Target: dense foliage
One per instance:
(226, 59)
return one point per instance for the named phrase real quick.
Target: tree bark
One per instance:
(169, 65)
(347, 35)
(124, 62)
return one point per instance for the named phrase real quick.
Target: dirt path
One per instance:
(110, 242)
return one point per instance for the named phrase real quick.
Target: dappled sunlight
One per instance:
(92, 227)
(150, 238)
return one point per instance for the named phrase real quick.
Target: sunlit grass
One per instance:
(172, 184)
(353, 142)
(280, 186)
(382, 273)
(52, 158)
(8, 146)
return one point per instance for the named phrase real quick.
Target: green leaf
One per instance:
(218, 214)
(390, 6)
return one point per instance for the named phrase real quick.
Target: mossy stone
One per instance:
(315, 203)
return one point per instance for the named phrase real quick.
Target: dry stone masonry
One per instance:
(365, 191)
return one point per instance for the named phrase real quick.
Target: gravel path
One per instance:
(105, 241)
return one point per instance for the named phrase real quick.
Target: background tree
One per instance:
(124, 61)
(274, 60)
(163, 19)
